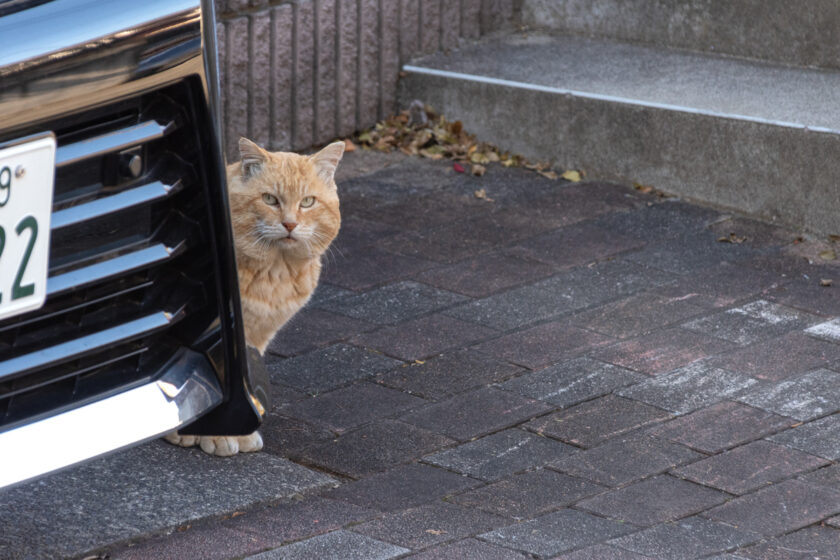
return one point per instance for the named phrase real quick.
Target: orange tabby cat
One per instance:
(284, 210)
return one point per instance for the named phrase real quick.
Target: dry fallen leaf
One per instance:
(644, 189)
(828, 255)
(349, 146)
(458, 167)
(549, 175)
(572, 175)
(826, 282)
(435, 532)
(478, 170)
(732, 238)
(482, 195)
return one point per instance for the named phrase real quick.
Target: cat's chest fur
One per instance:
(271, 295)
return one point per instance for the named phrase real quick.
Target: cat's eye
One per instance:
(307, 202)
(270, 199)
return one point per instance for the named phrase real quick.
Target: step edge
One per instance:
(411, 68)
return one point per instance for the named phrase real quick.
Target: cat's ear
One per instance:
(252, 158)
(327, 160)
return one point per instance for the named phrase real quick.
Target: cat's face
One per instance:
(284, 202)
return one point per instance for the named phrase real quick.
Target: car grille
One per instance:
(131, 275)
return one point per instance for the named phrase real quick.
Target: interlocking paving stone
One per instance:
(423, 337)
(470, 277)
(294, 521)
(754, 232)
(338, 545)
(465, 237)
(685, 539)
(355, 235)
(655, 500)
(393, 303)
(104, 493)
(325, 292)
(512, 309)
(689, 388)
(557, 532)
(602, 552)
(500, 454)
(402, 487)
(669, 218)
(688, 254)
(571, 382)
(828, 476)
(374, 448)
(830, 330)
(811, 543)
(344, 409)
(753, 322)
(313, 328)
(623, 460)
(721, 426)
(593, 422)
(807, 294)
(543, 345)
(196, 543)
(431, 210)
(806, 397)
(448, 374)
(749, 467)
(780, 508)
(370, 267)
(430, 524)
(577, 244)
(469, 549)
(723, 285)
(820, 437)
(476, 413)
(663, 351)
(637, 315)
(329, 368)
(287, 437)
(590, 285)
(529, 494)
(780, 358)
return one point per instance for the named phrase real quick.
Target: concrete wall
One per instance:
(298, 73)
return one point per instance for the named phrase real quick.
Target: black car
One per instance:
(119, 307)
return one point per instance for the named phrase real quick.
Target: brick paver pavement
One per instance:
(568, 371)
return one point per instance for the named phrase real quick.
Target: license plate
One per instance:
(27, 173)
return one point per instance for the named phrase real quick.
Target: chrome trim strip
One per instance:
(117, 266)
(185, 391)
(111, 142)
(76, 348)
(112, 204)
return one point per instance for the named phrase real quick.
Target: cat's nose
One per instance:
(290, 226)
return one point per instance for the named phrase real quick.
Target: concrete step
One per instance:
(795, 33)
(759, 138)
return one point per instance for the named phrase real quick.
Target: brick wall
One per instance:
(298, 73)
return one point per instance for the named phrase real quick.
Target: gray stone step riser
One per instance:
(783, 174)
(795, 33)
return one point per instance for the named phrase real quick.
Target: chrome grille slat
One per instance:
(76, 348)
(111, 142)
(124, 200)
(118, 266)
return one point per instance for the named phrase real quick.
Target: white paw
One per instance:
(184, 441)
(225, 446)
